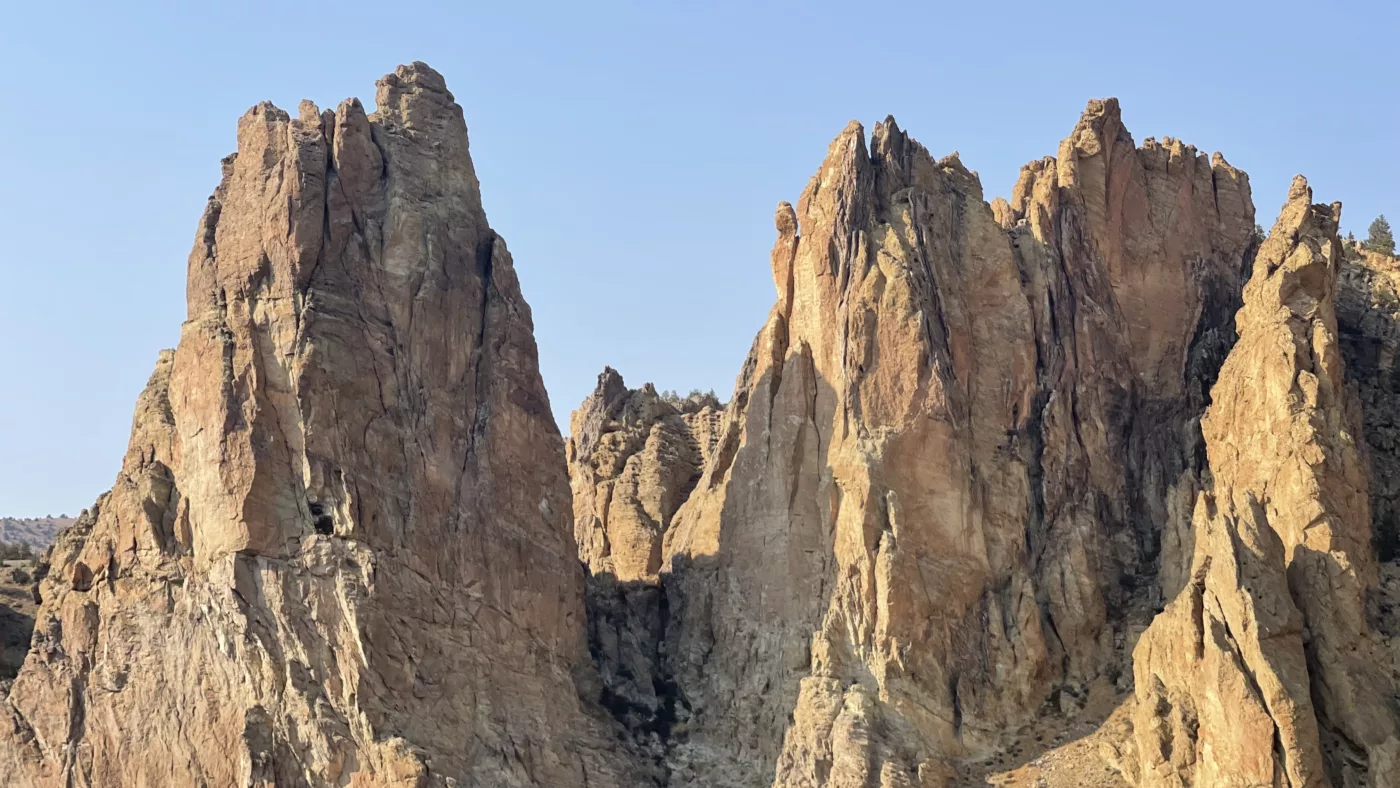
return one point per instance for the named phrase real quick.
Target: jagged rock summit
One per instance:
(956, 484)
(339, 549)
(1096, 466)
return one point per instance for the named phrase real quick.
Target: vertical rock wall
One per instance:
(339, 551)
(957, 472)
(1266, 670)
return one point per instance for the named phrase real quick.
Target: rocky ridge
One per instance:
(1265, 669)
(1091, 487)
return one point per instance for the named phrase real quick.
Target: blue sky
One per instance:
(630, 153)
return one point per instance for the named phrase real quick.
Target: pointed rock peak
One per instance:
(1300, 214)
(1002, 212)
(1101, 110)
(848, 145)
(785, 218)
(308, 112)
(267, 112)
(1219, 164)
(954, 162)
(894, 149)
(1299, 190)
(843, 176)
(363, 304)
(1100, 126)
(1300, 255)
(887, 132)
(416, 73)
(415, 85)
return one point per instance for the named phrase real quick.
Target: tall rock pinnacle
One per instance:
(339, 548)
(1265, 670)
(990, 472)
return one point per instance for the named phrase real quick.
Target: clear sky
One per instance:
(630, 153)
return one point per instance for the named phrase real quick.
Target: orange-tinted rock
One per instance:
(339, 551)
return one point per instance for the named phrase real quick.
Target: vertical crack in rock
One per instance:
(972, 452)
(634, 456)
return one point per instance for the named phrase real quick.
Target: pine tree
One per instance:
(1379, 237)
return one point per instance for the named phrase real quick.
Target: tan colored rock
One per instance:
(1284, 684)
(964, 464)
(938, 496)
(1134, 259)
(634, 457)
(338, 552)
(1221, 676)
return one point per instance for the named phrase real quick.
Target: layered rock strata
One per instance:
(339, 549)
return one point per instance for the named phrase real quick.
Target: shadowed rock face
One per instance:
(634, 455)
(974, 450)
(338, 551)
(1368, 325)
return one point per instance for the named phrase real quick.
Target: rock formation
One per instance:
(986, 465)
(634, 457)
(1265, 671)
(338, 551)
(16, 617)
(959, 453)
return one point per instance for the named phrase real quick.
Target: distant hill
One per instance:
(37, 532)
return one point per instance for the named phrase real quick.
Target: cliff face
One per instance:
(957, 473)
(338, 551)
(1368, 324)
(634, 456)
(989, 471)
(1266, 670)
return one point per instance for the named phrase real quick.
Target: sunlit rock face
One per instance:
(956, 476)
(1266, 670)
(339, 550)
